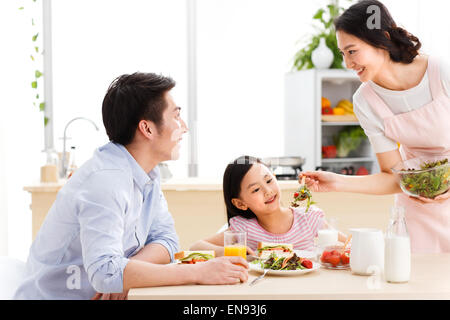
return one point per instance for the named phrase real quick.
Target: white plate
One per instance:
(305, 254)
(257, 268)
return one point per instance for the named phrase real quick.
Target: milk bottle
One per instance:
(397, 261)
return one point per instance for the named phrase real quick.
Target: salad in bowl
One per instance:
(426, 177)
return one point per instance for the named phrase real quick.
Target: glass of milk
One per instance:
(397, 259)
(329, 236)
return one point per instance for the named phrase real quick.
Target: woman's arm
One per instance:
(381, 183)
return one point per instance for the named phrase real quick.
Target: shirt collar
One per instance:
(139, 175)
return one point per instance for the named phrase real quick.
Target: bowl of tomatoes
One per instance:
(335, 257)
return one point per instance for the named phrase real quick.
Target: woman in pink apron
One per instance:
(404, 99)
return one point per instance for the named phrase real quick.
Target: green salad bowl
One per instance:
(425, 177)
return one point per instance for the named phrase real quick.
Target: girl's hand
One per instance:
(250, 252)
(319, 181)
(439, 199)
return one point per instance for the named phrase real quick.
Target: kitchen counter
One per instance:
(430, 279)
(198, 208)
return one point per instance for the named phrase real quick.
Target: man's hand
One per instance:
(222, 270)
(111, 296)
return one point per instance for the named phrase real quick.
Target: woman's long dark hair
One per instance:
(232, 178)
(402, 46)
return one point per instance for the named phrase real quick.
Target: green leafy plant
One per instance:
(348, 139)
(326, 16)
(37, 74)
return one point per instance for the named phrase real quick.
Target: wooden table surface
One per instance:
(430, 279)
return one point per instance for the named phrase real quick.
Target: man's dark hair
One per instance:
(131, 98)
(402, 46)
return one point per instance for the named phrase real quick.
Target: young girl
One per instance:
(252, 198)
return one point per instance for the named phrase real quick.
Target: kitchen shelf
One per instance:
(307, 130)
(345, 160)
(339, 118)
(350, 123)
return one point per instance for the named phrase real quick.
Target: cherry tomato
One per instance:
(335, 253)
(345, 258)
(334, 259)
(307, 264)
(325, 256)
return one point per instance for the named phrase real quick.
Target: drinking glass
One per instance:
(235, 243)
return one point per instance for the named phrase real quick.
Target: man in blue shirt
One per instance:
(109, 229)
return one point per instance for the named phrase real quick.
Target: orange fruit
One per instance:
(325, 102)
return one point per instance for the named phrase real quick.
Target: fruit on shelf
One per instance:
(326, 102)
(346, 105)
(339, 111)
(329, 151)
(327, 110)
(362, 171)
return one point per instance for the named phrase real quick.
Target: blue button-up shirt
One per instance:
(106, 212)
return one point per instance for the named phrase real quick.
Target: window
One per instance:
(96, 41)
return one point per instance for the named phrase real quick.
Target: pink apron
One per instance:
(424, 131)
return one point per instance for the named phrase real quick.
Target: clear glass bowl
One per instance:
(332, 257)
(417, 180)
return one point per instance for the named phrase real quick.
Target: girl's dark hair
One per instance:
(131, 98)
(401, 45)
(232, 178)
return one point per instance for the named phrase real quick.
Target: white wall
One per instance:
(22, 134)
(426, 19)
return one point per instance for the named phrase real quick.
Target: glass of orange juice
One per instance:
(235, 243)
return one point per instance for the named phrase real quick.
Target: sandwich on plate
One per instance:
(266, 249)
(192, 257)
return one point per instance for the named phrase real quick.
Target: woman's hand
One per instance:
(439, 199)
(319, 181)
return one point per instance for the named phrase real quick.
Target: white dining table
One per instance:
(430, 279)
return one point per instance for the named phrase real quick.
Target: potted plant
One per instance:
(326, 16)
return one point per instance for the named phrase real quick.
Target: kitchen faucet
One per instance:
(64, 166)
